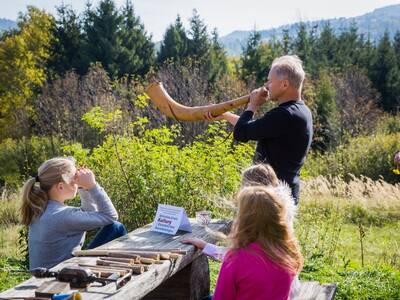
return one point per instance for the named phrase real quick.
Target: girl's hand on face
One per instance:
(85, 178)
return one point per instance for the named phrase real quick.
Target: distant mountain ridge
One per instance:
(6, 24)
(372, 25)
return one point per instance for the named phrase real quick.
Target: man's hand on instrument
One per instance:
(257, 98)
(230, 117)
(209, 117)
(198, 243)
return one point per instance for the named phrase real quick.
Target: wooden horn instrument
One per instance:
(175, 110)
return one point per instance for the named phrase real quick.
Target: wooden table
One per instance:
(186, 278)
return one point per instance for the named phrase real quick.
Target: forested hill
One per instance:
(6, 24)
(372, 24)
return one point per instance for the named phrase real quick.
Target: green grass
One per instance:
(329, 233)
(9, 277)
(11, 257)
(381, 245)
(330, 239)
(341, 263)
(215, 266)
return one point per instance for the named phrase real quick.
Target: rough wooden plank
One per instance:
(329, 291)
(142, 284)
(50, 288)
(191, 283)
(312, 290)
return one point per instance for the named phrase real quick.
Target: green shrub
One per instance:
(389, 124)
(140, 172)
(370, 156)
(360, 215)
(21, 158)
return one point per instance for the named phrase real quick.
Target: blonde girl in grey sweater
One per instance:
(55, 229)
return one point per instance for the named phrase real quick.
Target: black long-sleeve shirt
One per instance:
(284, 137)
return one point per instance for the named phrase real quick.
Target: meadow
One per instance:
(349, 232)
(349, 214)
(70, 86)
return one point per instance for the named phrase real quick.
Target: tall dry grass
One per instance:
(9, 247)
(9, 212)
(362, 191)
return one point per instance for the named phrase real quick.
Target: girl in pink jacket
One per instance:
(264, 256)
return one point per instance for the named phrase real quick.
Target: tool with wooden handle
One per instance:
(148, 253)
(106, 253)
(77, 277)
(122, 254)
(163, 250)
(136, 269)
(118, 259)
(106, 270)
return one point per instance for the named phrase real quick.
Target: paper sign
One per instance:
(169, 219)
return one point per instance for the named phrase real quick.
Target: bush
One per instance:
(370, 156)
(389, 124)
(140, 172)
(21, 158)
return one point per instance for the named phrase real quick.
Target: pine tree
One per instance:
(286, 42)
(199, 43)
(385, 75)
(366, 55)
(102, 40)
(396, 45)
(271, 51)
(218, 61)
(348, 47)
(325, 48)
(302, 45)
(250, 59)
(136, 51)
(256, 59)
(327, 122)
(66, 48)
(175, 43)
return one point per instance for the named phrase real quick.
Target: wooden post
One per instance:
(190, 283)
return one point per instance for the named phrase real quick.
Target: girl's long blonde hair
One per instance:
(262, 219)
(35, 196)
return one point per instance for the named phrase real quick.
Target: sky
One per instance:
(225, 15)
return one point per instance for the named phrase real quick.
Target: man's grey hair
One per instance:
(289, 67)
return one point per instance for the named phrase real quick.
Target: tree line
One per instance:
(350, 79)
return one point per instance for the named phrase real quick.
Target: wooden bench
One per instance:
(310, 290)
(187, 278)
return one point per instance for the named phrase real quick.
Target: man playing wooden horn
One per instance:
(285, 132)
